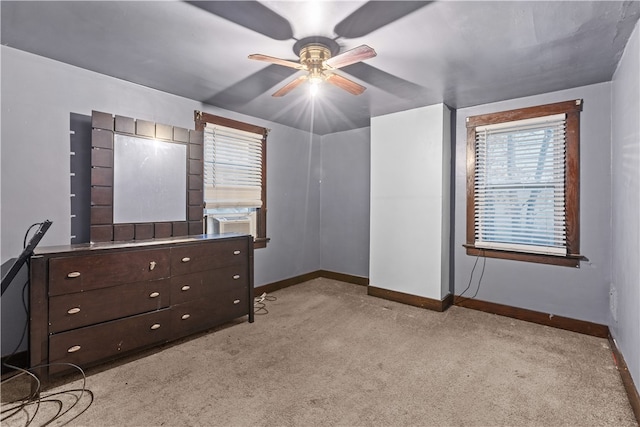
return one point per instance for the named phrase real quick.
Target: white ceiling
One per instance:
(459, 53)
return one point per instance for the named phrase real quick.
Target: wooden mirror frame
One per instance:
(102, 229)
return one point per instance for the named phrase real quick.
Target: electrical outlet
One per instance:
(613, 302)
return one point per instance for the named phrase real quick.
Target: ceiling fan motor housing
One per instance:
(312, 56)
(319, 56)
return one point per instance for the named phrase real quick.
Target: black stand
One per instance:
(26, 253)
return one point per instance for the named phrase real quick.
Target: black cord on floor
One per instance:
(36, 399)
(259, 304)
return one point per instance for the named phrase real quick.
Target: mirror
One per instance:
(149, 180)
(146, 180)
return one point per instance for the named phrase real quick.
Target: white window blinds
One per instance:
(520, 186)
(232, 167)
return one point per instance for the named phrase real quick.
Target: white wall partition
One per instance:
(410, 193)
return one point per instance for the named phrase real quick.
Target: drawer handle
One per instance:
(152, 265)
(185, 316)
(73, 274)
(154, 294)
(236, 252)
(186, 259)
(155, 326)
(236, 277)
(73, 349)
(236, 301)
(73, 310)
(186, 288)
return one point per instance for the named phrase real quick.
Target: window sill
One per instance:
(260, 242)
(565, 261)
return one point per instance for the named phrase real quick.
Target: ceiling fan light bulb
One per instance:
(315, 86)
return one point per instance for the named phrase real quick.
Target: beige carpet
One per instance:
(327, 354)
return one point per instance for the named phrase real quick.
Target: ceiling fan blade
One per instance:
(289, 86)
(250, 14)
(387, 82)
(351, 56)
(374, 15)
(346, 84)
(245, 91)
(273, 60)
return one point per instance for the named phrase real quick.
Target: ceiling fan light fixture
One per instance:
(316, 57)
(314, 87)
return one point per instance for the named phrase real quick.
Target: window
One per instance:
(523, 184)
(234, 167)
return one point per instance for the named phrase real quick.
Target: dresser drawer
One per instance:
(100, 342)
(86, 272)
(206, 284)
(206, 313)
(86, 308)
(205, 256)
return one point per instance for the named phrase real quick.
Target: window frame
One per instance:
(201, 120)
(572, 181)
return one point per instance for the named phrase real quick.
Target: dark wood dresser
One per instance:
(91, 303)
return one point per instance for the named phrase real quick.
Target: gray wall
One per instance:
(625, 212)
(344, 202)
(578, 293)
(293, 203)
(38, 97)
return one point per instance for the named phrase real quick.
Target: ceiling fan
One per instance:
(316, 58)
(255, 16)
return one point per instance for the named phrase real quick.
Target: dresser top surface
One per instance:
(81, 247)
